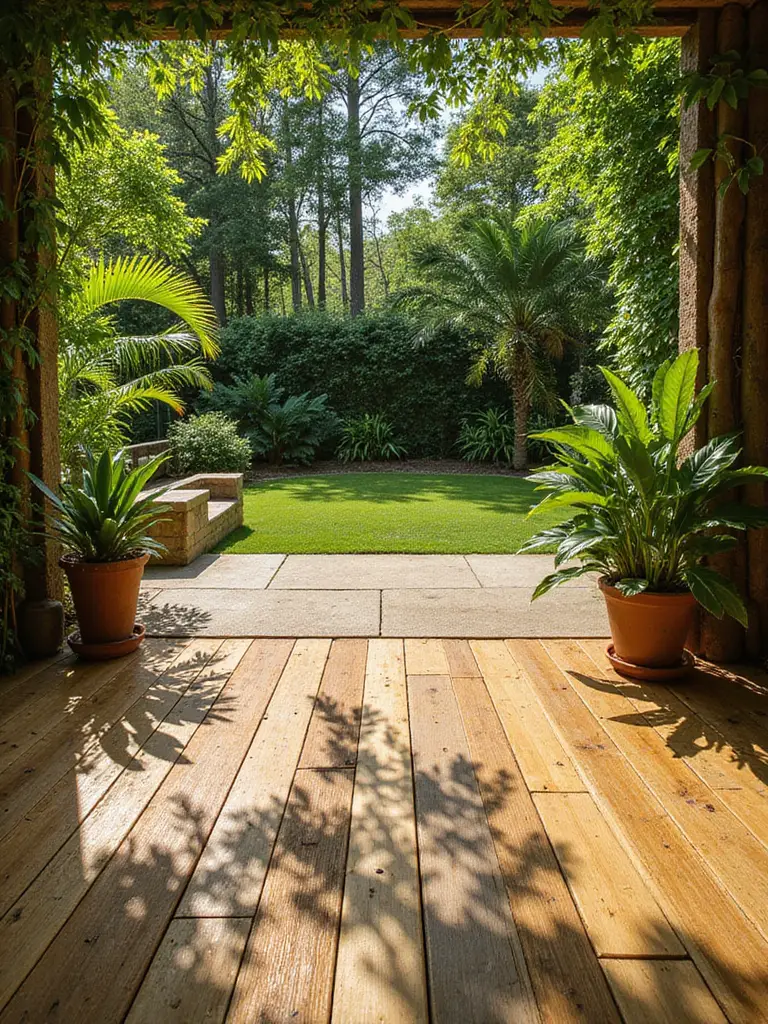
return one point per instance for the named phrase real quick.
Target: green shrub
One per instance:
(364, 363)
(487, 437)
(368, 437)
(290, 430)
(208, 444)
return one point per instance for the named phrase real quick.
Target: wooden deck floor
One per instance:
(378, 831)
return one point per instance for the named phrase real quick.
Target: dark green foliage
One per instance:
(281, 431)
(208, 444)
(645, 517)
(487, 437)
(364, 364)
(368, 437)
(104, 519)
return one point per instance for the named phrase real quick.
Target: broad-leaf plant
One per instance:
(106, 518)
(645, 517)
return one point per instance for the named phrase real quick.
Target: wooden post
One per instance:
(754, 341)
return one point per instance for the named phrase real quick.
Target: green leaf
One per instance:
(555, 579)
(637, 461)
(563, 499)
(631, 412)
(699, 158)
(630, 586)
(705, 464)
(677, 395)
(601, 418)
(715, 593)
(658, 388)
(742, 517)
(583, 440)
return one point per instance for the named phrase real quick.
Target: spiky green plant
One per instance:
(104, 519)
(646, 517)
(368, 437)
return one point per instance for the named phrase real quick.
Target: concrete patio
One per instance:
(367, 595)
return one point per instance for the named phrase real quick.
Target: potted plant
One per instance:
(645, 517)
(103, 526)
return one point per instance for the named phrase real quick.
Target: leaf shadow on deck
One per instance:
(308, 862)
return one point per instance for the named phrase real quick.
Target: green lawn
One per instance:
(388, 512)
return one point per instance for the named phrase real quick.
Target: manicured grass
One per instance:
(388, 512)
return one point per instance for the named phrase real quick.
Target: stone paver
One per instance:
(367, 595)
(493, 612)
(517, 571)
(244, 572)
(240, 612)
(372, 572)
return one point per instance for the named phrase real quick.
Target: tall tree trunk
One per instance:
(522, 404)
(342, 263)
(322, 221)
(248, 293)
(240, 289)
(218, 301)
(355, 174)
(307, 278)
(293, 221)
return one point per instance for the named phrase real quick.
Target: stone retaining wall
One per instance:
(203, 509)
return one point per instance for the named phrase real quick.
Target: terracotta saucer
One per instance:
(105, 652)
(648, 673)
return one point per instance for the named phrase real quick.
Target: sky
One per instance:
(422, 191)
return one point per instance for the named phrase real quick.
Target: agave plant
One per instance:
(368, 437)
(104, 519)
(646, 518)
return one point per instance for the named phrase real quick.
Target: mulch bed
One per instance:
(326, 467)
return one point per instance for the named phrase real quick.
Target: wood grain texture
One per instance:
(44, 828)
(566, 977)
(300, 907)
(425, 657)
(193, 972)
(620, 914)
(335, 724)
(137, 892)
(731, 852)
(539, 753)
(380, 967)
(461, 660)
(230, 873)
(726, 948)
(662, 991)
(476, 968)
(28, 681)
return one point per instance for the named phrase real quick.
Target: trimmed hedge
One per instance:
(365, 365)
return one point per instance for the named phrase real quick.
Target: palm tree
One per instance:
(518, 290)
(105, 379)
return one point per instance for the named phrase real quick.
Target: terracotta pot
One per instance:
(649, 629)
(105, 596)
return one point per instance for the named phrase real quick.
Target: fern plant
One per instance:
(368, 437)
(646, 518)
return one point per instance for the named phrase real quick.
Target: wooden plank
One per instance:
(33, 921)
(739, 774)
(620, 914)
(230, 873)
(426, 657)
(730, 851)
(192, 973)
(726, 947)
(380, 969)
(476, 968)
(287, 969)
(335, 724)
(77, 738)
(71, 688)
(565, 973)
(42, 831)
(136, 894)
(662, 991)
(28, 681)
(539, 753)
(461, 660)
